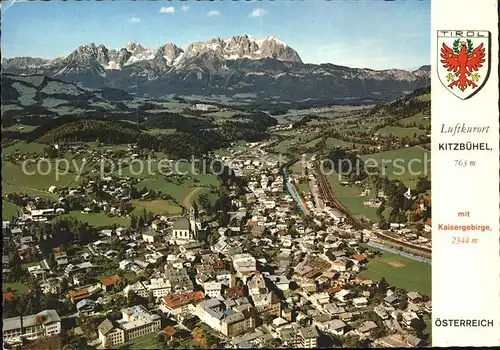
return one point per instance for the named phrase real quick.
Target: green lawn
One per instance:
(150, 342)
(428, 329)
(424, 98)
(398, 131)
(161, 131)
(304, 187)
(29, 264)
(284, 145)
(9, 210)
(24, 147)
(332, 143)
(168, 185)
(350, 197)
(96, 219)
(155, 206)
(312, 143)
(20, 127)
(405, 164)
(9, 188)
(365, 126)
(225, 114)
(212, 197)
(18, 288)
(298, 168)
(401, 272)
(417, 118)
(147, 342)
(38, 176)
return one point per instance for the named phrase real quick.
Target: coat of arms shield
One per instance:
(463, 60)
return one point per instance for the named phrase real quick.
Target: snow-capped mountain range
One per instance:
(241, 64)
(168, 55)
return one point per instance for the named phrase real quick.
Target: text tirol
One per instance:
(464, 33)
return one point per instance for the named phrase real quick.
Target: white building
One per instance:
(244, 264)
(158, 286)
(335, 214)
(136, 322)
(150, 237)
(44, 324)
(185, 230)
(181, 230)
(360, 302)
(213, 289)
(41, 214)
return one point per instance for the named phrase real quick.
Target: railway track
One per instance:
(329, 197)
(413, 248)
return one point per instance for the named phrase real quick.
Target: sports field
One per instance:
(401, 272)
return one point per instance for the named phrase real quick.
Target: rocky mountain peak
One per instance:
(274, 48)
(170, 53)
(240, 64)
(138, 53)
(246, 47)
(135, 48)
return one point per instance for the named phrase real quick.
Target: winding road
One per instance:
(186, 201)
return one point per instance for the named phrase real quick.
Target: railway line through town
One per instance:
(330, 198)
(380, 238)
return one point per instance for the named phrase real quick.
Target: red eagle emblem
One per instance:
(462, 61)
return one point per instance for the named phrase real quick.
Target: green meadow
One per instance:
(401, 272)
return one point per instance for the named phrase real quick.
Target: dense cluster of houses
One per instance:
(272, 278)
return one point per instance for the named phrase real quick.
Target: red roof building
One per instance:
(59, 253)
(178, 300)
(170, 331)
(359, 258)
(77, 295)
(109, 282)
(8, 296)
(333, 290)
(235, 293)
(220, 265)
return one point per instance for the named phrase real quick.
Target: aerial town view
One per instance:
(257, 178)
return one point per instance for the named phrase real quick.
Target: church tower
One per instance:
(192, 222)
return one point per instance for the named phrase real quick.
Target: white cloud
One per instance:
(134, 20)
(169, 9)
(185, 8)
(258, 13)
(213, 13)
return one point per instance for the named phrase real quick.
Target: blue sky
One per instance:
(368, 34)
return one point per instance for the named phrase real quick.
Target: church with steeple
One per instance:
(185, 229)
